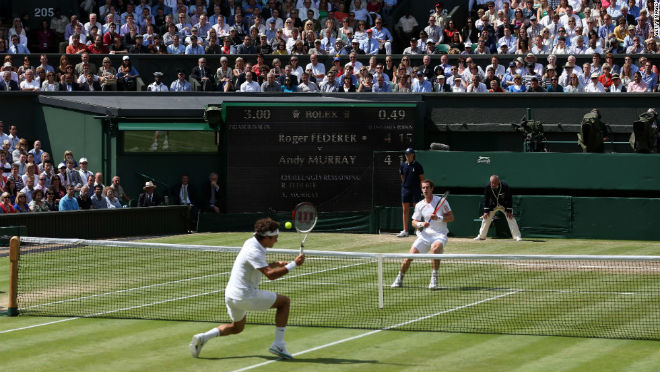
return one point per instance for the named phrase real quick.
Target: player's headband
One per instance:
(270, 233)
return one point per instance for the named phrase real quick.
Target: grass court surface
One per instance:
(125, 345)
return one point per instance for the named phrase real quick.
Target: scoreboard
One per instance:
(279, 154)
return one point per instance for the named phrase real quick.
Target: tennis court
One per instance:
(337, 300)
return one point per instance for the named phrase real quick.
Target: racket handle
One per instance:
(302, 246)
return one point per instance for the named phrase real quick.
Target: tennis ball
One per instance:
(288, 225)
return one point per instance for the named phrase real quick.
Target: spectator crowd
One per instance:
(33, 181)
(324, 42)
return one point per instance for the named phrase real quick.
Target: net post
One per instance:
(381, 301)
(14, 255)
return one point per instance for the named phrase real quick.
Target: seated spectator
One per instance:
(119, 190)
(98, 47)
(289, 86)
(203, 76)
(138, 47)
(110, 36)
(149, 198)
(107, 76)
(57, 188)
(180, 84)
(113, 201)
(381, 86)
(517, 86)
(7, 84)
(495, 87)
(637, 85)
(307, 86)
(99, 201)
(29, 84)
(617, 86)
(211, 196)
(594, 85)
(127, 76)
(21, 205)
(12, 189)
(271, 84)
(6, 204)
(68, 202)
(118, 47)
(16, 47)
(554, 85)
(534, 86)
(249, 85)
(37, 204)
(476, 86)
(50, 84)
(90, 84)
(50, 201)
(76, 47)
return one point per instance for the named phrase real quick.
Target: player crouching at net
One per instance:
(242, 295)
(431, 232)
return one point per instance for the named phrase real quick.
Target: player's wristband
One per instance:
(291, 265)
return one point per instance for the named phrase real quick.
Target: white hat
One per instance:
(82, 160)
(126, 58)
(61, 165)
(148, 184)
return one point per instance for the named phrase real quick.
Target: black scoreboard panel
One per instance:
(386, 178)
(281, 154)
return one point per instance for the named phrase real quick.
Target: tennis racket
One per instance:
(304, 218)
(441, 202)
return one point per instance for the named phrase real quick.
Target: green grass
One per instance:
(140, 345)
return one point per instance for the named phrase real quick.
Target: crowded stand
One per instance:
(339, 46)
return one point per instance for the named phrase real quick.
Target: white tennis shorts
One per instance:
(424, 241)
(262, 300)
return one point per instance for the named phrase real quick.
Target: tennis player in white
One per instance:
(242, 295)
(431, 231)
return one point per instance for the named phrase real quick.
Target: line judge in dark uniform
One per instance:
(149, 198)
(498, 198)
(412, 174)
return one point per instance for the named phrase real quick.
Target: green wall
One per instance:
(75, 131)
(576, 171)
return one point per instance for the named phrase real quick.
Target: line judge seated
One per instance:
(149, 198)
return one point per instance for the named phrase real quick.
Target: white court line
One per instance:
(376, 331)
(164, 301)
(38, 325)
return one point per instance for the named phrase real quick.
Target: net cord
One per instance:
(374, 256)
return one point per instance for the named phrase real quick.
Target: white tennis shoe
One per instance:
(197, 344)
(434, 282)
(398, 282)
(280, 350)
(402, 234)
(519, 239)
(479, 238)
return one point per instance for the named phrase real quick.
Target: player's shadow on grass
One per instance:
(298, 360)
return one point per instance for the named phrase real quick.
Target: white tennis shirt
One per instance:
(424, 210)
(245, 275)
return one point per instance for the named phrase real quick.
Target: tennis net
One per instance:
(582, 296)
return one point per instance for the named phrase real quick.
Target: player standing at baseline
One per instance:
(431, 232)
(242, 295)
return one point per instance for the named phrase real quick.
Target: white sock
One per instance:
(401, 274)
(212, 333)
(279, 335)
(434, 272)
